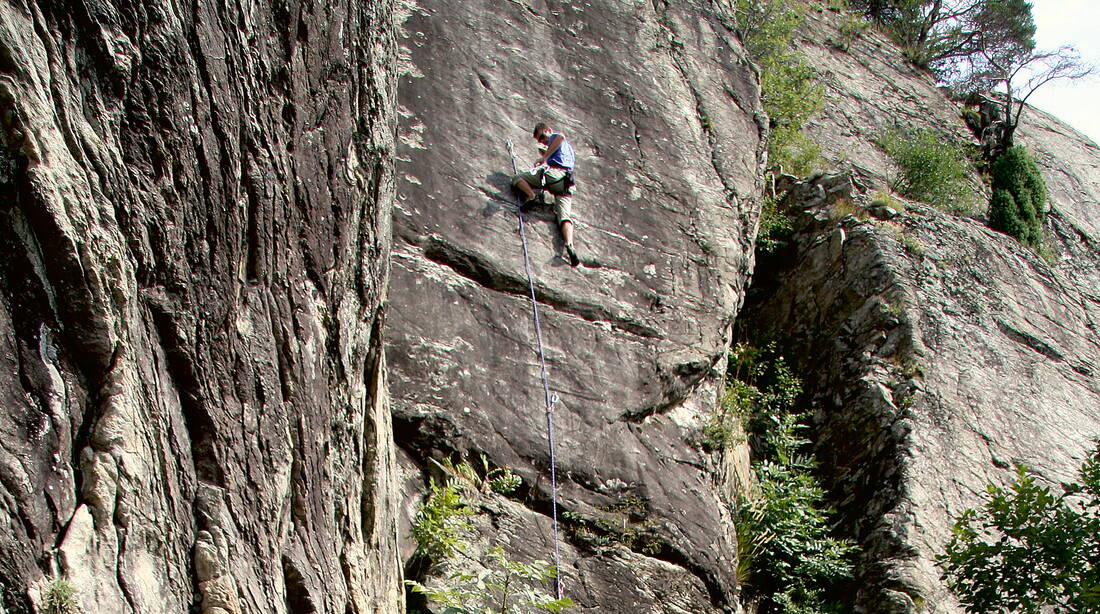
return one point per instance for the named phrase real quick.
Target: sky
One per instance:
(1077, 23)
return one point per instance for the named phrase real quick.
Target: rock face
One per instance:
(662, 108)
(938, 353)
(195, 228)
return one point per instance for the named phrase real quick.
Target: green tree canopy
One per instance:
(978, 46)
(1028, 548)
(939, 33)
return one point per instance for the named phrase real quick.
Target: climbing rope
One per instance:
(551, 400)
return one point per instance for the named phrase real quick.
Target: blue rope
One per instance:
(551, 401)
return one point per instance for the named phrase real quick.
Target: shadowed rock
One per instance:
(195, 229)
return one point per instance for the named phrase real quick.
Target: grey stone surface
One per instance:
(938, 352)
(660, 105)
(195, 231)
(871, 89)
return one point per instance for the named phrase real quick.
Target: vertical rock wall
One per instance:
(195, 229)
(662, 108)
(938, 353)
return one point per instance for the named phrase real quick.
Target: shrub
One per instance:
(439, 523)
(59, 597)
(500, 480)
(795, 561)
(1027, 549)
(791, 150)
(931, 169)
(775, 227)
(789, 91)
(723, 426)
(506, 587)
(1018, 205)
(787, 558)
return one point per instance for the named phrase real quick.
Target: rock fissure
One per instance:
(470, 265)
(703, 118)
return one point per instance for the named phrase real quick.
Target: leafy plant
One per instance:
(775, 227)
(851, 28)
(931, 169)
(501, 480)
(790, 93)
(1028, 549)
(724, 425)
(788, 559)
(439, 523)
(1019, 197)
(504, 587)
(59, 597)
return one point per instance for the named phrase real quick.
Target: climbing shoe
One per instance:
(530, 204)
(572, 254)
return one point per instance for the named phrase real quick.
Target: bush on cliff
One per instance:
(502, 586)
(931, 169)
(789, 562)
(790, 94)
(1028, 549)
(1019, 197)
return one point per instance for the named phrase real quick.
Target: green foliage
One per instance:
(790, 93)
(941, 35)
(852, 27)
(439, 523)
(775, 227)
(724, 426)
(504, 587)
(1019, 197)
(932, 169)
(790, 148)
(792, 561)
(501, 480)
(59, 597)
(1028, 549)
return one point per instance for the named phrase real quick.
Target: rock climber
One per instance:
(553, 172)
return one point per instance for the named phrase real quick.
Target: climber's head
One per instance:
(542, 132)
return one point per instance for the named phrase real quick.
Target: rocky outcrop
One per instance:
(195, 233)
(938, 353)
(662, 106)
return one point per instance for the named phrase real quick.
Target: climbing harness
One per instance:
(551, 400)
(568, 180)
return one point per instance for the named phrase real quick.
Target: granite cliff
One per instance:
(662, 108)
(195, 226)
(938, 353)
(218, 398)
